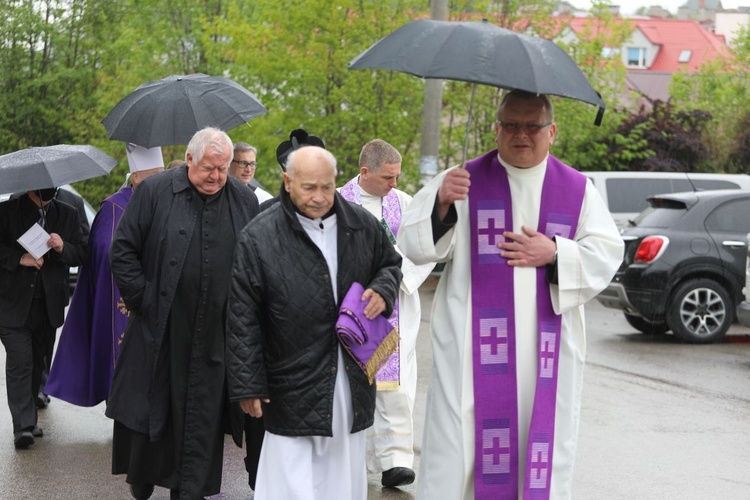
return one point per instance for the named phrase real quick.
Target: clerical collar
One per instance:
(521, 170)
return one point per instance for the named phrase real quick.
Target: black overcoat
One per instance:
(147, 258)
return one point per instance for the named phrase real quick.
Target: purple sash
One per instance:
(370, 342)
(388, 376)
(493, 327)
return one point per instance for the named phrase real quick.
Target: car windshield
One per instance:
(661, 216)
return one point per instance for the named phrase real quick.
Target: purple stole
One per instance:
(389, 376)
(493, 330)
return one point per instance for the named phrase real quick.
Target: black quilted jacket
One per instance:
(281, 342)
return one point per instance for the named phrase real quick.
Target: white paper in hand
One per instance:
(35, 241)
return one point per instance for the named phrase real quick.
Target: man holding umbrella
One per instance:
(33, 296)
(171, 258)
(527, 241)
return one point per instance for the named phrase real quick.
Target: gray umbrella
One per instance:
(169, 111)
(51, 166)
(480, 52)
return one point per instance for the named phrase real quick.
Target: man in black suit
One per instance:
(33, 296)
(74, 200)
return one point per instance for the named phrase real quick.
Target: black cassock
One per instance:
(189, 456)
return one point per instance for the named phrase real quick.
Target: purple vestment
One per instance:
(84, 362)
(493, 330)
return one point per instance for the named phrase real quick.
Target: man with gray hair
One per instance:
(284, 361)
(243, 167)
(171, 258)
(390, 442)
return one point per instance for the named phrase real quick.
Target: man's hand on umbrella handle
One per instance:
(455, 187)
(27, 260)
(55, 242)
(253, 407)
(376, 304)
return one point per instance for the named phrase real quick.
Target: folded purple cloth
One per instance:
(369, 341)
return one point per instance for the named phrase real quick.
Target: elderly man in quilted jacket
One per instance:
(284, 360)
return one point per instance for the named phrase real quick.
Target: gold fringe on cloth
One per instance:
(388, 346)
(388, 385)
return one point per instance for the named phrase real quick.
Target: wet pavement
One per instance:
(660, 420)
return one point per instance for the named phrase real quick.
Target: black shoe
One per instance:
(398, 476)
(37, 432)
(41, 400)
(141, 491)
(23, 439)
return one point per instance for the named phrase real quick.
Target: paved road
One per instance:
(660, 420)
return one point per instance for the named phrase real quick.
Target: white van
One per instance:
(625, 193)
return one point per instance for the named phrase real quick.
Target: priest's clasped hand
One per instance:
(530, 249)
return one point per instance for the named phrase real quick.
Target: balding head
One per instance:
(310, 180)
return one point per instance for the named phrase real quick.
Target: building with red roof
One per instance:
(658, 48)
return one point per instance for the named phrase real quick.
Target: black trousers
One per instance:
(25, 349)
(42, 343)
(254, 432)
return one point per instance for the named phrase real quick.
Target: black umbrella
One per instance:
(169, 111)
(51, 166)
(480, 52)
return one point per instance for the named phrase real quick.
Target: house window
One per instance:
(637, 56)
(685, 56)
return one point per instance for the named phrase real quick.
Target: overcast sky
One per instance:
(630, 6)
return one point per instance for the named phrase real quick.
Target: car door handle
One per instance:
(733, 244)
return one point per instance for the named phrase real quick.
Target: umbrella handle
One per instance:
(468, 125)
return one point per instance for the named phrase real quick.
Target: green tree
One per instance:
(47, 62)
(674, 139)
(149, 40)
(295, 60)
(720, 89)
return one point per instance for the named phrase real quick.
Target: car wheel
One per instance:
(700, 312)
(645, 326)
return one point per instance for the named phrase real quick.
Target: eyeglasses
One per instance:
(529, 128)
(245, 164)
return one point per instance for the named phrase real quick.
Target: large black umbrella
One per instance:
(51, 166)
(169, 111)
(480, 52)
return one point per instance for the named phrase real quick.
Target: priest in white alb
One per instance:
(527, 241)
(390, 442)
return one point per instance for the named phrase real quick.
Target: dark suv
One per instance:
(684, 265)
